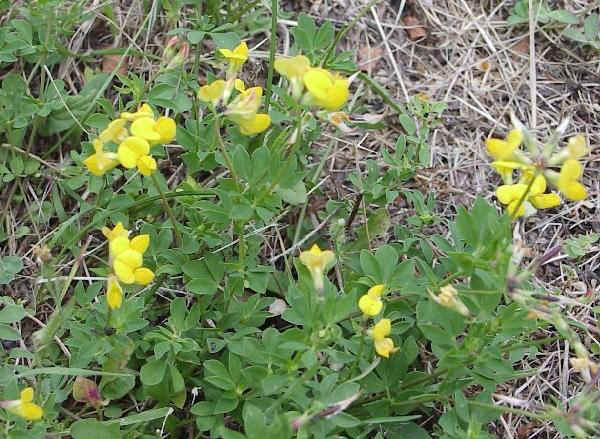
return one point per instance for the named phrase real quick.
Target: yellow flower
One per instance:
(114, 293)
(144, 111)
(246, 104)
(511, 194)
(133, 152)
(236, 57)
(259, 123)
(317, 261)
(370, 304)
(166, 129)
(384, 346)
(24, 407)
(127, 257)
(117, 231)
(503, 149)
(212, 92)
(243, 110)
(100, 162)
(293, 69)
(114, 132)
(448, 298)
(144, 129)
(326, 89)
(568, 180)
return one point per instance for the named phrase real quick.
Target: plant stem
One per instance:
(272, 49)
(225, 153)
(178, 238)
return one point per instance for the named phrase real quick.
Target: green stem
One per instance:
(178, 237)
(272, 49)
(225, 153)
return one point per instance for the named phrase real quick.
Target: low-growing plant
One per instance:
(201, 316)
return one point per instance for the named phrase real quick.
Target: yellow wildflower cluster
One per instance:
(371, 305)
(384, 346)
(325, 89)
(126, 261)
(318, 263)
(535, 168)
(133, 133)
(24, 406)
(243, 109)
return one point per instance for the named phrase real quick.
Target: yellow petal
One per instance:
(140, 243)
(212, 92)
(370, 306)
(144, 128)
(123, 272)
(259, 123)
(574, 191)
(545, 201)
(294, 67)
(571, 170)
(338, 95)
(114, 293)
(144, 111)
(143, 276)
(538, 186)
(31, 411)
(146, 165)
(376, 291)
(166, 128)
(498, 149)
(510, 192)
(318, 82)
(27, 394)
(117, 231)
(118, 245)
(514, 139)
(382, 329)
(384, 347)
(131, 258)
(131, 149)
(241, 51)
(512, 208)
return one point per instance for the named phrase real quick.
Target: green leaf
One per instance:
(591, 27)
(92, 429)
(254, 421)
(324, 36)
(409, 431)
(295, 195)
(144, 417)
(563, 16)
(12, 313)
(226, 40)
(153, 372)
(579, 245)
(8, 333)
(408, 124)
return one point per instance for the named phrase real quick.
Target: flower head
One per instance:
(448, 298)
(370, 304)
(568, 180)
(134, 151)
(327, 90)
(212, 92)
(126, 258)
(243, 110)
(24, 407)
(384, 346)
(100, 162)
(536, 198)
(85, 390)
(117, 231)
(317, 261)
(293, 69)
(114, 132)
(503, 149)
(236, 57)
(577, 147)
(144, 111)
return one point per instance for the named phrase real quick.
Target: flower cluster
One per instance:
(534, 166)
(126, 261)
(318, 263)
(243, 109)
(24, 406)
(133, 134)
(448, 298)
(371, 305)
